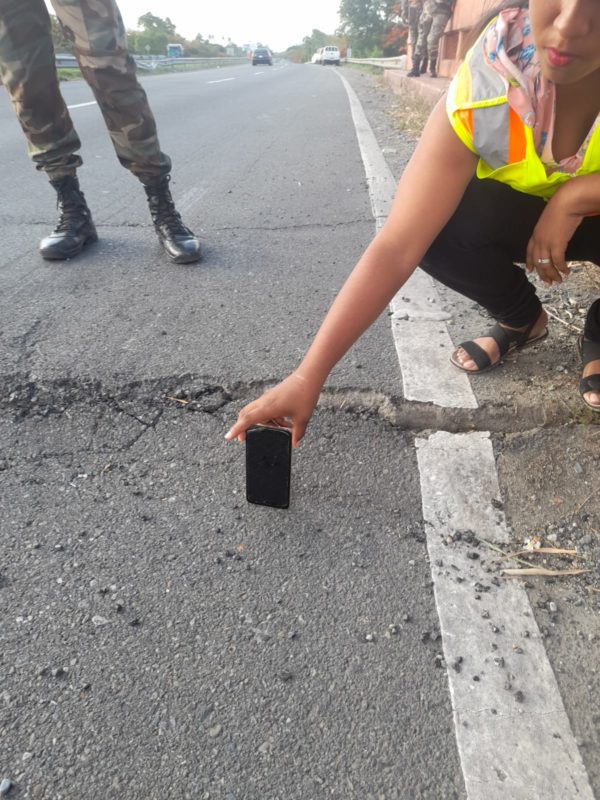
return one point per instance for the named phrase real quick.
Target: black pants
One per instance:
(475, 253)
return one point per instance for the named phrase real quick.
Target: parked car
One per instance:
(262, 56)
(316, 58)
(330, 54)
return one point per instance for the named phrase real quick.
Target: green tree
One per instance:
(62, 43)
(312, 43)
(154, 35)
(396, 32)
(364, 23)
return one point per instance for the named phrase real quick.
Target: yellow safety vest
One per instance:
(479, 112)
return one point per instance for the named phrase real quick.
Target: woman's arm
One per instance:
(429, 191)
(577, 198)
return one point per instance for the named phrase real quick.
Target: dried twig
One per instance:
(558, 319)
(589, 497)
(178, 400)
(541, 571)
(557, 551)
(499, 550)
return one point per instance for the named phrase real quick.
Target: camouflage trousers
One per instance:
(28, 71)
(432, 24)
(414, 15)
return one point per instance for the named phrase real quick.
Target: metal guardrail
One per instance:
(158, 62)
(396, 62)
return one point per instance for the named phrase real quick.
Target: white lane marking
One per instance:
(189, 199)
(509, 750)
(424, 346)
(222, 80)
(380, 180)
(423, 350)
(81, 105)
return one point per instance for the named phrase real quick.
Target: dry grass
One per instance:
(410, 111)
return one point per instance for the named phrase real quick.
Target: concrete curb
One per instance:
(430, 88)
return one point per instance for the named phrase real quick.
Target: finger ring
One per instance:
(543, 261)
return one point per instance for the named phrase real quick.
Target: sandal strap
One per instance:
(507, 339)
(477, 353)
(589, 351)
(590, 384)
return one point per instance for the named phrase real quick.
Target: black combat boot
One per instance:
(423, 68)
(416, 68)
(75, 227)
(178, 241)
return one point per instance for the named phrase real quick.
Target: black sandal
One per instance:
(507, 341)
(589, 351)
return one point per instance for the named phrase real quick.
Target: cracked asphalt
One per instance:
(160, 636)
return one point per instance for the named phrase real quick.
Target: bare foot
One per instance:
(491, 347)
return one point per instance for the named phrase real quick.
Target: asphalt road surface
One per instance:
(160, 637)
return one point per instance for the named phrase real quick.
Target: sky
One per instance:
(275, 23)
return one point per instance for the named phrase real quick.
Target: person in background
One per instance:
(28, 71)
(411, 14)
(507, 171)
(432, 23)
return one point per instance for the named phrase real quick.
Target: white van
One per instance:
(330, 55)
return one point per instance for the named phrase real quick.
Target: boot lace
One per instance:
(166, 214)
(70, 216)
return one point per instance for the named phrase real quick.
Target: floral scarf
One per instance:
(510, 50)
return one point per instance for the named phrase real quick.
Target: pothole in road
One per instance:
(25, 397)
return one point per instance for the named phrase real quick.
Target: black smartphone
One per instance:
(268, 465)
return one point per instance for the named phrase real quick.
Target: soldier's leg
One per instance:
(420, 52)
(96, 29)
(413, 16)
(28, 71)
(438, 26)
(99, 44)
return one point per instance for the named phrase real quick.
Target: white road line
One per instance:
(187, 202)
(222, 80)
(510, 747)
(81, 105)
(509, 750)
(423, 349)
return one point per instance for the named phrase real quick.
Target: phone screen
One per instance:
(268, 466)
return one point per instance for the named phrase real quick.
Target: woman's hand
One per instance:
(548, 244)
(290, 403)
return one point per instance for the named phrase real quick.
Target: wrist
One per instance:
(308, 377)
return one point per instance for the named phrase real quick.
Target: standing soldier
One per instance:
(411, 13)
(433, 21)
(28, 70)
